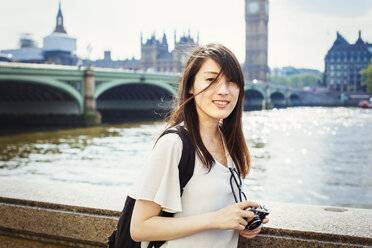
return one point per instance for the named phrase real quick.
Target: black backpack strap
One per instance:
(187, 161)
(120, 237)
(185, 168)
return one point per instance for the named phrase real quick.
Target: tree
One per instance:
(282, 80)
(367, 76)
(297, 80)
(309, 79)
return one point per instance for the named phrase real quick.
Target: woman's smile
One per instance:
(221, 103)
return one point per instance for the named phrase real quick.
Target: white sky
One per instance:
(300, 31)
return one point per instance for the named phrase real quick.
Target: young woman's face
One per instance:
(219, 100)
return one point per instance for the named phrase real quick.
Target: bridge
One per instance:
(52, 90)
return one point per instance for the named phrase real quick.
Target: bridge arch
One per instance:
(253, 99)
(51, 86)
(278, 99)
(294, 99)
(119, 100)
(106, 86)
(259, 88)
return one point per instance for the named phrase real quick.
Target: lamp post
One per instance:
(89, 51)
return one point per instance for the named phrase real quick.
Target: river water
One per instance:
(305, 155)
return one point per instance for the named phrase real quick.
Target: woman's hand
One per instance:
(234, 216)
(253, 233)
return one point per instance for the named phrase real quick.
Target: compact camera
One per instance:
(259, 215)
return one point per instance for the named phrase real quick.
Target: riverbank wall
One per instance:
(331, 99)
(115, 117)
(57, 120)
(45, 214)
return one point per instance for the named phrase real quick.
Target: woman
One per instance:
(210, 108)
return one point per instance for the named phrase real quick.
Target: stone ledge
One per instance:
(263, 240)
(16, 238)
(54, 206)
(82, 216)
(36, 224)
(54, 226)
(275, 237)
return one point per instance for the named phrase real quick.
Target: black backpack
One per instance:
(121, 238)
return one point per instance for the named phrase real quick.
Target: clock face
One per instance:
(253, 7)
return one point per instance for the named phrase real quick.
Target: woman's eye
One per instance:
(210, 79)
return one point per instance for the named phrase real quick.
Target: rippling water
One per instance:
(305, 155)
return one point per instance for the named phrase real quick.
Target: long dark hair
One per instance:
(231, 126)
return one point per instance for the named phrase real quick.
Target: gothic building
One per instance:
(256, 39)
(155, 55)
(344, 62)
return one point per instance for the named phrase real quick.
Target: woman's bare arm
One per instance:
(146, 225)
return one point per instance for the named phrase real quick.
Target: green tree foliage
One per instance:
(367, 76)
(309, 79)
(283, 80)
(297, 80)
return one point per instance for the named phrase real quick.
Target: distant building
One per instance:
(344, 62)
(28, 52)
(58, 47)
(256, 39)
(107, 62)
(155, 56)
(290, 70)
(6, 57)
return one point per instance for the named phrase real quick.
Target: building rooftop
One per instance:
(26, 53)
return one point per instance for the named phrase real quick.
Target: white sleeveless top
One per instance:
(205, 192)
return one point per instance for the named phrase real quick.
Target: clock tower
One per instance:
(256, 39)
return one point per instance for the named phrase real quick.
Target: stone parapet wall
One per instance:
(78, 216)
(36, 224)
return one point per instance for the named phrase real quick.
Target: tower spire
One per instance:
(360, 41)
(59, 21)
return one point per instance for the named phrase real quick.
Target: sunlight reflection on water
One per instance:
(305, 155)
